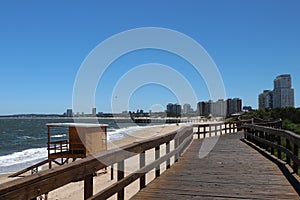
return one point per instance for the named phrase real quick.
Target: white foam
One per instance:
(58, 136)
(26, 156)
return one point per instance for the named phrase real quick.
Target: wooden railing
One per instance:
(281, 143)
(273, 124)
(58, 146)
(45, 181)
(214, 129)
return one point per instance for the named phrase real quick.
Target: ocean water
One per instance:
(23, 142)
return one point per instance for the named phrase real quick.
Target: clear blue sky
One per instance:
(42, 45)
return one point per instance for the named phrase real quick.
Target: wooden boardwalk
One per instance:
(232, 170)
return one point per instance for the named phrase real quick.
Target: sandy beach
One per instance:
(74, 190)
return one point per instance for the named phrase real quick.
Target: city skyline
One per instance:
(44, 44)
(220, 107)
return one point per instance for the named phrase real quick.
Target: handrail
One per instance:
(29, 168)
(276, 141)
(271, 124)
(59, 142)
(45, 181)
(220, 128)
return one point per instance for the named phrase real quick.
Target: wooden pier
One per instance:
(250, 164)
(232, 170)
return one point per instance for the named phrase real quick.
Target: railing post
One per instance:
(295, 151)
(88, 186)
(227, 127)
(216, 130)
(142, 164)
(272, 140)
(157, 154)
(176, 144)
(255, 133)
(209, 130)
(246, 132)
(112, 172)
(265, 136)
(198, 131)
(258, 133)
(288, 146)
(250, 132)
(168, 151)
(120, 177)
(279, 143)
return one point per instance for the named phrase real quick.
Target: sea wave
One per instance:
(19, 160)
(59, 136)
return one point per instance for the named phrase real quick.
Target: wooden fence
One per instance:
(281, 143)
(45, 181)
(214, 129)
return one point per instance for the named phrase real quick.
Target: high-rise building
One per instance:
(218, 108)
(94, 111)
(69, 113)
(173, 110)
(187, 109)
(265, 99)
(283, 93)
(202, 108)
(233, 106)
(237, 105)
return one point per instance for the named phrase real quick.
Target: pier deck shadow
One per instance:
(232, 170)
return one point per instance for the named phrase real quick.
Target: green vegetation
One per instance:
(290, 117)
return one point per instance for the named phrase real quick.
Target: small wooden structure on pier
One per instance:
(84, 139)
